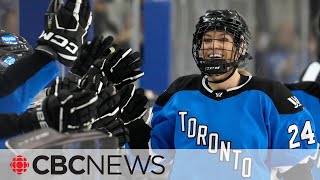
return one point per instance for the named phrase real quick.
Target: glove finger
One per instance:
(106, 118)
(135, 112)
(54, 6)
(85, 16)
(104, 46)
(112, 49)
(97, 84)
(140, 91)
(126, 94)
(135, 55)
(124, 55)
(86, 114)
(108, 105)
(109, 91)
(117, 57)
(136, 107)
(94, 46)
(87, 82)
(84, 103)
(128, 65)
(138, 99)
(114, 124)
(105, 94)
(56, 85)
(125, 71)
(80, 94)
(84, 100)
(131, 58)
(84, 13)
(66, 18)
(138, 113)
(133, 76)
(136, 64)
(100, 63)
(114, 57)
(107, 121)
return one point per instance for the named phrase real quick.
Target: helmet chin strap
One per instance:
(224, 79)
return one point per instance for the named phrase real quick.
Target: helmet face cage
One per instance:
(226, 22)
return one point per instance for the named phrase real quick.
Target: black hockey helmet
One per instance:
(230, 22)
(12, 48)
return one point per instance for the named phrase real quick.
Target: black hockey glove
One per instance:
(139, 131)
(68, 110)
(67, 83)
(110, 104)
(135, 109)
(65, 29)
(117, 129)
(108, 109)
(95, 78)
(91, 51)
(121, 67)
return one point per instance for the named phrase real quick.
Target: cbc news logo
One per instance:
(19, 164)
(106, 164)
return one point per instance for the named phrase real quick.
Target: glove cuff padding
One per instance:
(45, 112)
(47, 50)
(139, 134)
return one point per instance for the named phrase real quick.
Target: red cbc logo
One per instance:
(19, 164)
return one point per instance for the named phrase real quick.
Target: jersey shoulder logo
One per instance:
(294, 101)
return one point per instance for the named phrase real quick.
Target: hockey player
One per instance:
(222, 105)
(308, 93)
(17, 54)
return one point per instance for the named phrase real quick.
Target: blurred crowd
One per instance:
(278, 54)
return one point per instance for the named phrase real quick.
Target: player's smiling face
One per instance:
(217, 45)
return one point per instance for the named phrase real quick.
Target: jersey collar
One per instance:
(221, 94)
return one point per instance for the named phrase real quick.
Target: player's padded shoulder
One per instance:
(283, 99)
(189, 82)
(312, 88)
